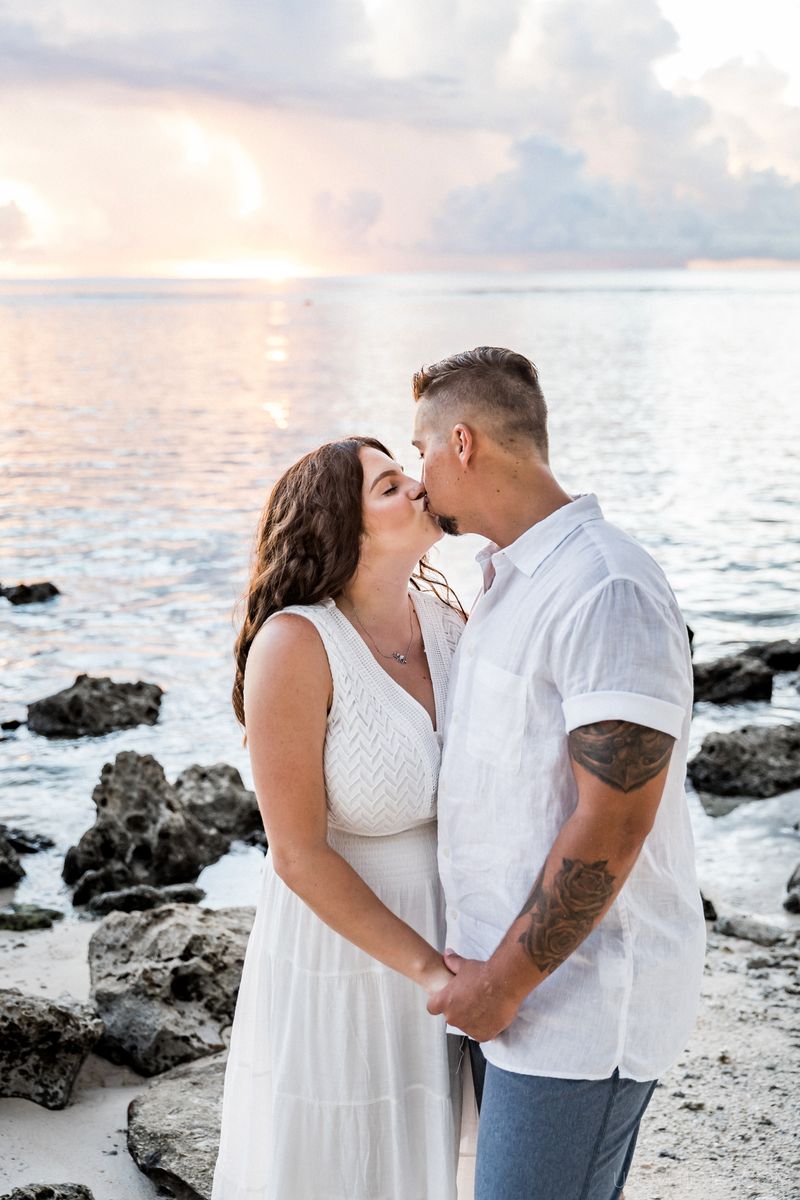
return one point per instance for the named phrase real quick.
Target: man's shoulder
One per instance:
(601, 555)
(605, 551)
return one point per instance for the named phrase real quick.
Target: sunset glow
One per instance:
(227, 143)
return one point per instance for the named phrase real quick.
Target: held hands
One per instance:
(471, 999)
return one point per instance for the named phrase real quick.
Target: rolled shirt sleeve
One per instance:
(623, 655)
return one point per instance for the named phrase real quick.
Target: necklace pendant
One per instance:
(401, 658)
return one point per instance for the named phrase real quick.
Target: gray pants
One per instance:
(554, 1139)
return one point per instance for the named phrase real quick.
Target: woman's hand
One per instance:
(435, 975)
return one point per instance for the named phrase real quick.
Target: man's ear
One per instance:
(464, 443)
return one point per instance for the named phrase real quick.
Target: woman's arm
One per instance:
(287, 694)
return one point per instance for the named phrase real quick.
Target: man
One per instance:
(565, 847)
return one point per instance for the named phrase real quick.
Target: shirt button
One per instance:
(453, 915)
(446, 852)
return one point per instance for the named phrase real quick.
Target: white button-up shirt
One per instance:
(576, 624)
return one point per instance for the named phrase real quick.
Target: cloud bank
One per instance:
(363, 134)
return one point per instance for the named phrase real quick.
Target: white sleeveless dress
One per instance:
(339, 1084)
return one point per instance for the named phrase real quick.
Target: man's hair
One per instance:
(500, 383)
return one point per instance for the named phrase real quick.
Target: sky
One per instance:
(270, 138)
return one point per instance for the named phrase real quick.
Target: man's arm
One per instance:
(620, 770)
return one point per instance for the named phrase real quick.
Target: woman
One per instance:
(339, 1084)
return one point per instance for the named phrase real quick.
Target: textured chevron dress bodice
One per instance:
(382, 754)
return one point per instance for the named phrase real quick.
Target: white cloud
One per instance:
(379, 134)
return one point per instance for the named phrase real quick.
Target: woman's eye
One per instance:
(393, 488)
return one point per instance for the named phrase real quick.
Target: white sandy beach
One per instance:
(722, 1125)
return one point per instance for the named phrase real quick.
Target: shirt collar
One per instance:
(534, 545)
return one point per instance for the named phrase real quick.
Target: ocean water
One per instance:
(143, 423)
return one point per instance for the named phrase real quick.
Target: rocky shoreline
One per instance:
(722, 1123)
(114, 1022)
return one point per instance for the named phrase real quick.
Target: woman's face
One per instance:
(396, 518)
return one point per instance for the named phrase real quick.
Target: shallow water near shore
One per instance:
(142, 424)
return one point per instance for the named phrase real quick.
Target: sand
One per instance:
(722, 1125)
(86, 1141)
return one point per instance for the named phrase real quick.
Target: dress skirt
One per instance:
(339, 1084)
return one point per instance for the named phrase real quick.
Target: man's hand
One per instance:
(473, 1001)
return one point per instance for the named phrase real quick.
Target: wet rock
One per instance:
(49, 1191)
(26, 843)
(780, 656)
(143, 897)
(751, 930)
(29, 593)
(792, 901)
(43, 1044)
(11, 869)
(728, 680)
(165, 982)
(9, 725)
(709, 911)
(690, 635)
(173, 1127)
(216, 797)
(755, 761)
(28, 916)
(143, 833)
(94, 706)
(257, 838)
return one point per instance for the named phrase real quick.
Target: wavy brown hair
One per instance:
(309, 542)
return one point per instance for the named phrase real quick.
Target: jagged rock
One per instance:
(11, 869)
(709, 911)
(138, 899)
(94, 706)
(690, 635)
(216, 797)
(26, 843)
(143, 833)
(165, 982)
(49, 1191)
(750, 929)
(728, 680)
(28, 916)
(43, 1044)
(11, 724)
(792, 901)
(780, 656)
(757, 760)
(173, 1127)
(29, 593)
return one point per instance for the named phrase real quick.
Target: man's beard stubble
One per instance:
(448, 525)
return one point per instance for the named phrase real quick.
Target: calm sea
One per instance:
(142, 424)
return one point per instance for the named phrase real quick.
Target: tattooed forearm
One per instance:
(562, 914)
(624, 756)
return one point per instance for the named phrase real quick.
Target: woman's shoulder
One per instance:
(297, 627)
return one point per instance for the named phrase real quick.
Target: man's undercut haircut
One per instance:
(497, 382)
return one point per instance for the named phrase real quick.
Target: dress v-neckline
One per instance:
(434, 729)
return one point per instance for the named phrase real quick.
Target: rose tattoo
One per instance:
(563, 914)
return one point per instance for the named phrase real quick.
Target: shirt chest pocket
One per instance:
(496, 713)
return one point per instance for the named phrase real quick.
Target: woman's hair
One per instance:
(309, 541)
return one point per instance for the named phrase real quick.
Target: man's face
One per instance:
(441, 472)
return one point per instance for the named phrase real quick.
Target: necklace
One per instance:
(400, 656)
